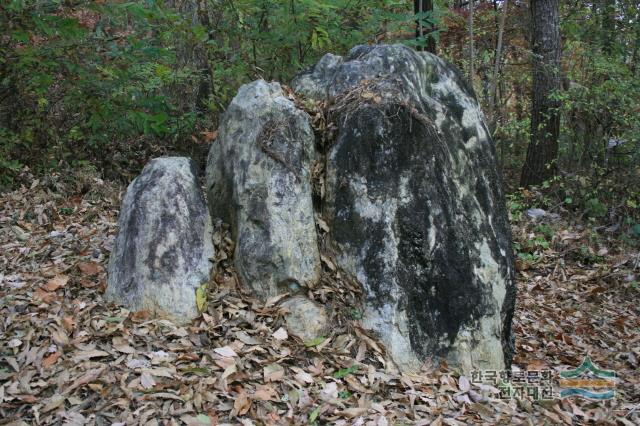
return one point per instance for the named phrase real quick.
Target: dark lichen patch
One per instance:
(379, 143)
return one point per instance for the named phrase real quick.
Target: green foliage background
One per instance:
(111, 83)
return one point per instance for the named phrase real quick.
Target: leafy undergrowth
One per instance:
(68, 357)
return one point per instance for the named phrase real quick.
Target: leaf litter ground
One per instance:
(68, 357)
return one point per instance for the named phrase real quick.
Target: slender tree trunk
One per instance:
(608, 25)
(636, 48)
(194, 55)
(472, 53)
(542, 153)
(420, 6)
(496, 66)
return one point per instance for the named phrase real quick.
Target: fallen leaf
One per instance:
(280, 334)
(266, 393)
(303, 377)
(353, 412)
(89, 268)
(56, 282)
(146, 380)
(242, 404)
(51, 359)
(273, 372)
(45, 296)
(84, 355)
(209, 136)
(163, 395)
(52, 403)
(14, 343)
(226, 351)
(229, 371)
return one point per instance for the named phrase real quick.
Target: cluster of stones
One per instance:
(413, 201)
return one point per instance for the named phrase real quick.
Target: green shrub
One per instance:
(83, 82)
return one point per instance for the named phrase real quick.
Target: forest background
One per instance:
(102, 86)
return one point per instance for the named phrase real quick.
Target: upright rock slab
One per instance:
(415, 206)
(164, 242)
(258, 181)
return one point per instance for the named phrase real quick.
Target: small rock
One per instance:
(306, 319)
(536, 213)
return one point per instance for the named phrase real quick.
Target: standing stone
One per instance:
(164, 242)
(415, 206)
(258, 181)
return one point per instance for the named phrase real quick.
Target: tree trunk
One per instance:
(496, 67)
(193, 55)
(472, 53)
(420, 6)
(608, 25)
(542, 153)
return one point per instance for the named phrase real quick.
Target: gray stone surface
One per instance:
(306, 319)
(415, 205)
(258, 181)
(164, 242)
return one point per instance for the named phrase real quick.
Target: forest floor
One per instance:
(68, 357)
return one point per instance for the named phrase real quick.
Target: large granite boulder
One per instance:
(415, 206)
(258, 181)
(164, 243)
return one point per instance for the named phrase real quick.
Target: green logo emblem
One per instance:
(588, 381)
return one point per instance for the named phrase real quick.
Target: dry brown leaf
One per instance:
(89, 268)
(88, 377)
(232, 369)
(68, 323)
(242, 404)
(303, 377)
(266, 393)
(56, 282)
(353, 412)
(45, 296)
(52, 403)
(209, 136)
(51, 359)
(92, 353)
(59, 336)
(146, 380)
(273, 372)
